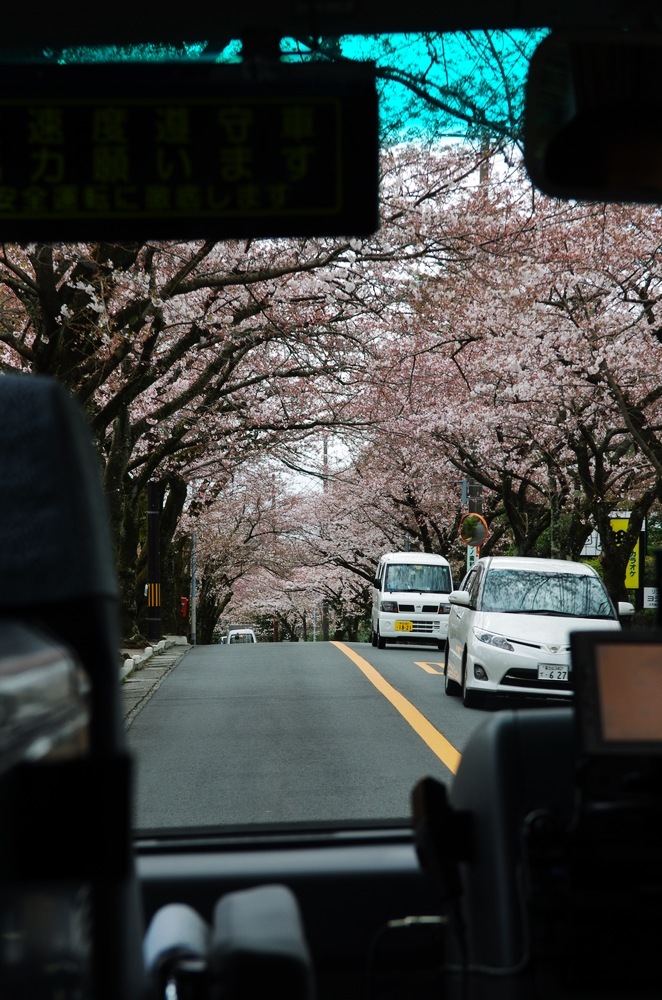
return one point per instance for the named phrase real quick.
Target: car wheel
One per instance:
(373, 638)
(441, 646)
(469, 698)
(452, 688)
(381, 643)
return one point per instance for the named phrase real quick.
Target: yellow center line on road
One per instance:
(429, 668)
(439, 745)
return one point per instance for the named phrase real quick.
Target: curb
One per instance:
(141, 674)
(135, 662)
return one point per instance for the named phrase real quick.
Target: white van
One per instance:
(410, 599)
(236, 635)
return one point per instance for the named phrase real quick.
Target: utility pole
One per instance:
(325, 469)
(193, 590)
(154, 626)
(472, 496)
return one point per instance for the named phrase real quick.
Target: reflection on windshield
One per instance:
(426, 579)
(559, 593)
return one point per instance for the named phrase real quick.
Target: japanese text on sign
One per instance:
(139, 157)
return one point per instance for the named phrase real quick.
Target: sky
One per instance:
(452, 67)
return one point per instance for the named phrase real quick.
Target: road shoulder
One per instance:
(142, 671)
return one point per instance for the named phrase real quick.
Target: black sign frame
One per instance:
(129, 151)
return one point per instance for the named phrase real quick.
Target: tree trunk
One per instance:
(171, 593)
(131, 584)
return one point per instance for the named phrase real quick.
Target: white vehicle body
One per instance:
(410, 601)
(510, 624)
(238, 635)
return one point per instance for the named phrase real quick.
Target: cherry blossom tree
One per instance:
(183, 355)
(190, 358)
(483, 332)
(522, 352)
(511, 357)
(550, 320)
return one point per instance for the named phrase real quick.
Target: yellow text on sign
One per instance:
(619, 524)
(632, 569)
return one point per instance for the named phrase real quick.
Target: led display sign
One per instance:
(166, 151)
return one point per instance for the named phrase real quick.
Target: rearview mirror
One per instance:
(593, 127)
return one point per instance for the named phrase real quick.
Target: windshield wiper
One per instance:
(565, 614)
(541, 611)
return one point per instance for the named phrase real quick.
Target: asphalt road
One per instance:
(293, 732)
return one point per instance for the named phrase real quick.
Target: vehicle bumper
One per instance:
(513, 674)
(423, 630)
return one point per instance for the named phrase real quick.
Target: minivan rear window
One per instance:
(529, 591)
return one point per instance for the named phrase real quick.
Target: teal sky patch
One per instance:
(463, 84)
(468, 85)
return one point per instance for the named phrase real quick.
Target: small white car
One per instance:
(509, 626)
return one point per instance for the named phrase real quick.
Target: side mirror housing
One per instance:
(461, 597)
(625, 609)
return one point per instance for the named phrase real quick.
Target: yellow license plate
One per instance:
(403, 626)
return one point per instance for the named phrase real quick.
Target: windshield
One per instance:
(525, 592)
(421, 578)
(274, 413)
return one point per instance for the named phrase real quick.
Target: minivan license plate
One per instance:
(403, 626)
(552, 672)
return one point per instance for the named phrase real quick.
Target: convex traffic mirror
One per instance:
(473, 529)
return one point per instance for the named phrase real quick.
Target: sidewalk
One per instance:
(143, 670)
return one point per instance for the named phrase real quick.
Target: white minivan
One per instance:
(510, 624)
(410, 599)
